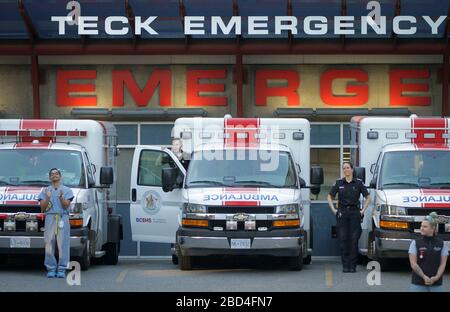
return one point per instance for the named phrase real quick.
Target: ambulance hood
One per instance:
(242, 196)
(426, 198)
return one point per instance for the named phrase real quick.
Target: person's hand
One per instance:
(433, 279)
(61, 195)
(427, 280)
(48, 194)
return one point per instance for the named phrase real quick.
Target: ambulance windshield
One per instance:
(416, 169)
(242, 168)
(30, 167)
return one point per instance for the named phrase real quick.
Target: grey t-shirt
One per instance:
(413, 249)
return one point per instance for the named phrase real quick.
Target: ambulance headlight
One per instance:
(287, 209)
(194, 208)
(77, 207)
(392, 210)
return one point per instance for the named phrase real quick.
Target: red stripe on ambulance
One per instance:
(435, 192)
(240, 132)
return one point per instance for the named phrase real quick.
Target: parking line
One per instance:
(121, 276)
(328, 276)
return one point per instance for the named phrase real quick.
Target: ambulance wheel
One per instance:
(112, 253)
(296, 263)
(307, 260)
(85, 259)
(175, 259)
(184, 262)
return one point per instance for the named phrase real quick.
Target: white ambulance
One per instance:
(85, 153)
(245, 191)
(407, 162)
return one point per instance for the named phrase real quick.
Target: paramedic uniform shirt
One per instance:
(349, 192)
(55, 203)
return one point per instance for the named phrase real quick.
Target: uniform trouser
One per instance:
(348, 231)
(53, 234)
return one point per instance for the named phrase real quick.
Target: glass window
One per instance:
(151, 164)
(415, 169)
(123, 177)
(242, 168)
(156, 134)
(346, 134)
(127, 134)
(30, 167)
(325, 135)
(328, 159)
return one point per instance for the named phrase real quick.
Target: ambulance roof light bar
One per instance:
(43, 133)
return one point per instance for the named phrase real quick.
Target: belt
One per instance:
(355, 208)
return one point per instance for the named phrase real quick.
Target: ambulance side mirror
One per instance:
(169, 179)
(302, 183)
(373, 183)
(106, 175)
(360, 173)
(316, 176)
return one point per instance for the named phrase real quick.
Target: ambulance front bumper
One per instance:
(33, 243)
(395, 244)
(286, 243)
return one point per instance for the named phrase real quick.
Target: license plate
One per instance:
(20, 242)
(240, 243)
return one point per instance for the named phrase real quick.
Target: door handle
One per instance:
(133, 194)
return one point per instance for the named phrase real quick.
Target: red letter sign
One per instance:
(194, 87)
(263, 91)
(64, 88)
(361, 91)
(397, 87)
(161, 77)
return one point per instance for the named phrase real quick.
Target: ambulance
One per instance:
(406, 163)
(246, 190)
(85, 152)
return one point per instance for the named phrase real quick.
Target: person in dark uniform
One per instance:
(428, 257)
(177, 150)
(348, 215)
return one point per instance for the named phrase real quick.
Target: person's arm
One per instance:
(331, 196)
(416, 268)
(366, 204)
(65, 203)
(440, 271)
(44, 200)
(366, 195)
(330, 204)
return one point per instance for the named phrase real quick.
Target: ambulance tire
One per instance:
(112, 253)
(372, 254)
(85, 259)
(184, 262)
(296, 263)
(307, 260)
(175, 259)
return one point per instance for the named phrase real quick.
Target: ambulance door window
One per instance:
(151, 164)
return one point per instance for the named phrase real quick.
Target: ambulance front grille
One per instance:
(19, 208)
(426, 211)
(240, 225)
(242, 209)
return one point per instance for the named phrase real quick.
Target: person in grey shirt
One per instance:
(428, 257)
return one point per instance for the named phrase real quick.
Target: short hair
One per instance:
(53, 169)
(347, 162)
